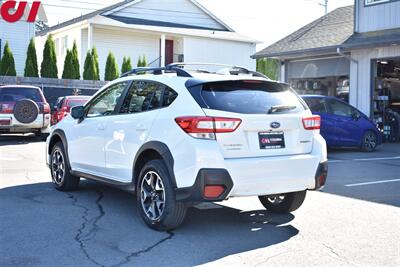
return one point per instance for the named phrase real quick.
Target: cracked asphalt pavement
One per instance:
(100, 226)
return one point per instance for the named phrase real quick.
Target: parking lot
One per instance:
(355, 221)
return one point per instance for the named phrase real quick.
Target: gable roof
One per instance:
(107, 11)
(322, 35)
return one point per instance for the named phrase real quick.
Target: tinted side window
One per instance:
(341, 109)
(105, 103)
(317, 104)
(169, 96)
(142, 96)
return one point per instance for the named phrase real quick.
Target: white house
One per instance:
(163, 31)
(18, 35)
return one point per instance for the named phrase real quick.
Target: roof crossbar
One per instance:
(158, 71)
(178, 68)
(233, 69)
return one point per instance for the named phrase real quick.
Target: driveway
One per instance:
(99, 226)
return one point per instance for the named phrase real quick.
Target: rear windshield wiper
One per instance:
(280, 108)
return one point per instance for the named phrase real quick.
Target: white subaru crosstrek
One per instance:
(179, 137)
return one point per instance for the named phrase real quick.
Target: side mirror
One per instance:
(78, 112)
(356, 116)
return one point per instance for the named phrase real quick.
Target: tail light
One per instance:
(207, 127)
(312, 123)
(46, 108)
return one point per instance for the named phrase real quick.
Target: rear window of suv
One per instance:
(250, 97)
(14, 94)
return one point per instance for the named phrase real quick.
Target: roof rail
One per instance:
(234, 70)
(158, 71)
(178, 68)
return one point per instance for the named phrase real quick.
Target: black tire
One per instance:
(284, 203)
(369, 141)
(26, 111)
(167, 216)
(60, 169)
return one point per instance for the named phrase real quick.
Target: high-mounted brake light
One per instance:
(312, 123)
(207, 127)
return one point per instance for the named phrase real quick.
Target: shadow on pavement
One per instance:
(9, 139)
(100, 226)
(363, 175)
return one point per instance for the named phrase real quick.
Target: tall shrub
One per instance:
(268, 67)
(68, 72)
(7, 64)
(76, 73)
(89, 69)
(96, 63)
(111, 72)
(126, 65)
(31, 65)
(48, 68)
(142, 62)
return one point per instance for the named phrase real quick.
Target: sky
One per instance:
(265, 20)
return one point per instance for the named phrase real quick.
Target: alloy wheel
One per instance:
(58, 167)
(152, 195)
(370, 141)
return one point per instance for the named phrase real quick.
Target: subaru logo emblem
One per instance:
(275, 125)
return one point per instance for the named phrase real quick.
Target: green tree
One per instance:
(7, 64)
(68, 66)
(48, 68)
(89, 69)
(111, 72)
(268, 67)
(76, 74)
(31, 65)
(142, 62)
(126, 65)
(96, 64)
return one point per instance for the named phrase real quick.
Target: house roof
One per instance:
(373, 39)
(106, 22)
(322, 35)
(106, 12)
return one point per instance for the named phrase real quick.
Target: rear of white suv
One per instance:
(178, 140)
(24, 109)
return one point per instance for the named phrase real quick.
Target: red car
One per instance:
(63, 106)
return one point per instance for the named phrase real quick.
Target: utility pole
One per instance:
(325, 5)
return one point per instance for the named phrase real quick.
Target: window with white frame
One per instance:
(373, 2)
(64, 45)
(57, 46)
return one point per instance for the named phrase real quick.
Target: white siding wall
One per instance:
(219, 51)
(360, 75)
(124, 44)
(74, 34)
(378, 17)
(174, 11)
(18, 35)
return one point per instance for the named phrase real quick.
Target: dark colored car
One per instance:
(24, 109)
(63, 106)
(342, 125)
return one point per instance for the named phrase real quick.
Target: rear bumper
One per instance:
(270, 176)
(41, 123)
(206, 177)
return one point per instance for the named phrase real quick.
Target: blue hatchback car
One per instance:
(344, 125)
